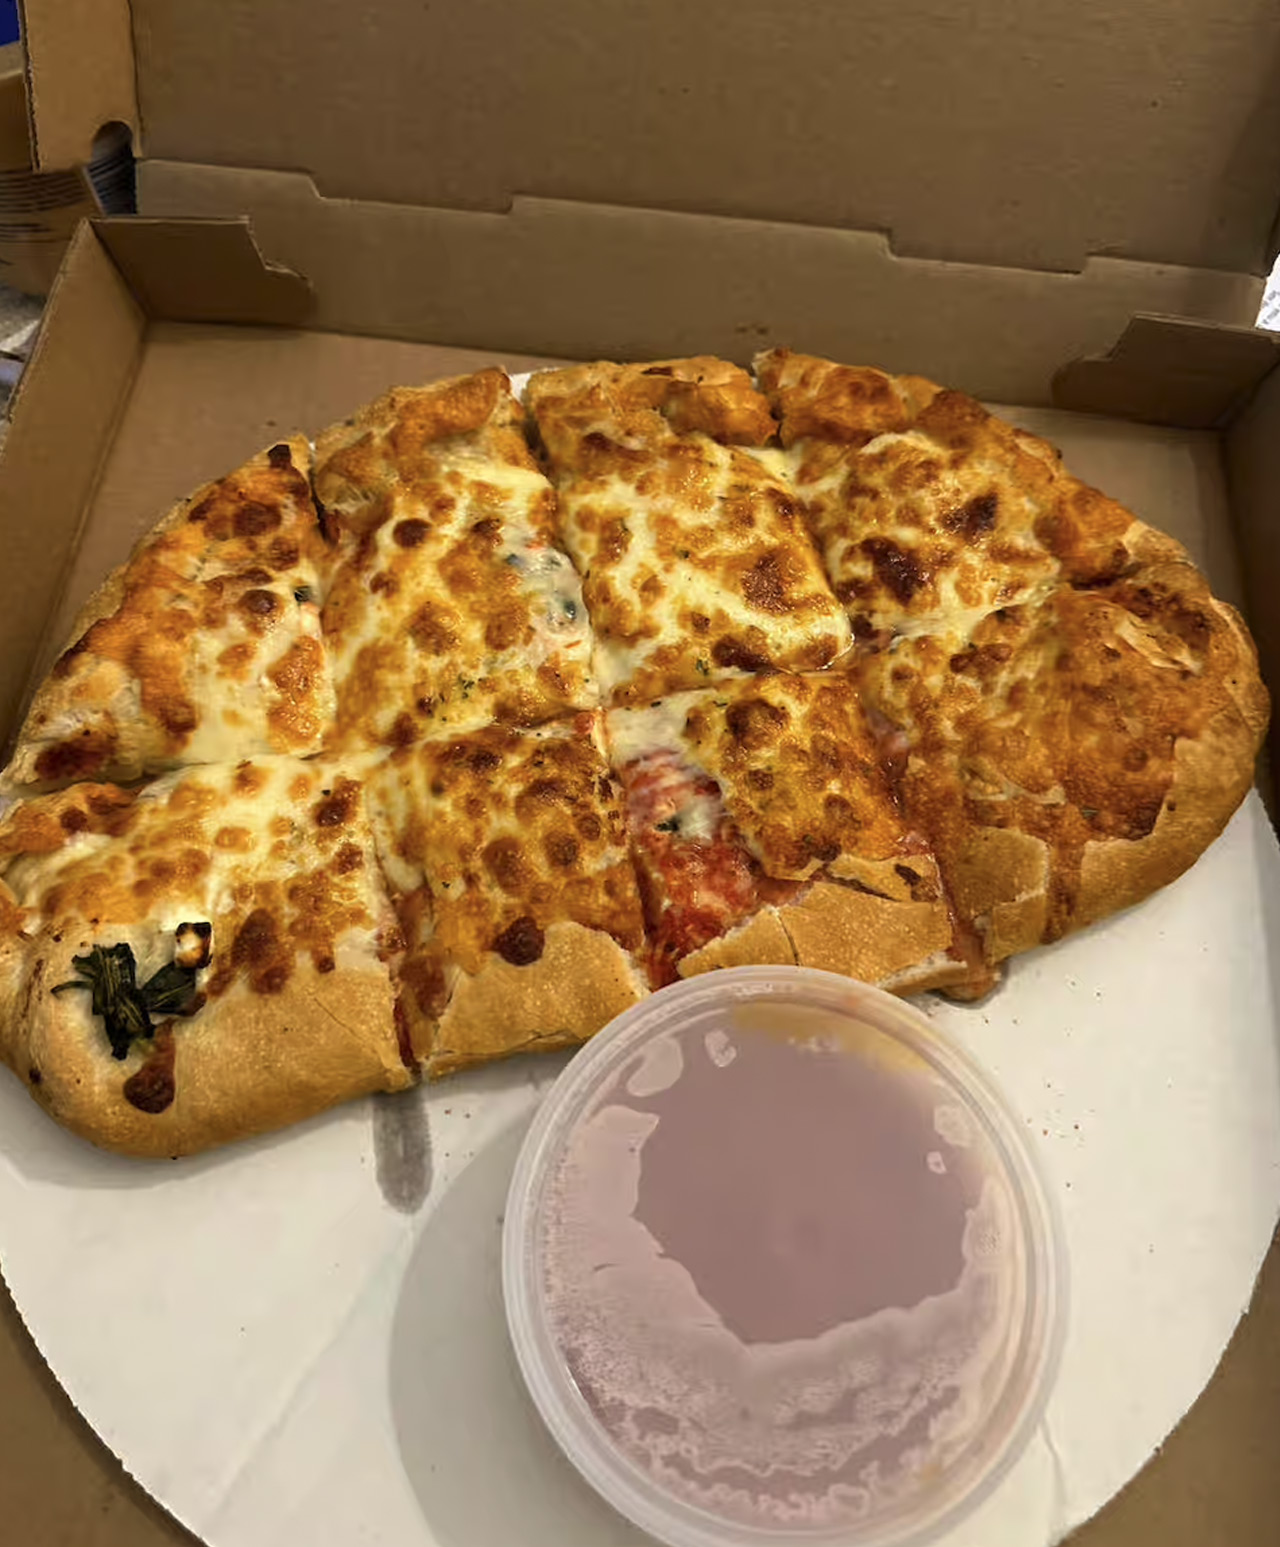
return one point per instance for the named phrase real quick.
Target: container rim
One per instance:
(1032, 1366)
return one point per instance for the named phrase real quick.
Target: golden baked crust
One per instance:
(931, 512)
(695, 561)
(489, 842)
(1070, 716)
(205, 646)
(451, 605)
(1030, 713)
(698, 395)
(581, 980)
(245, 1065)
(760, 940)
(842, 405)
(259, 876)
(1069, 757)
(843, 929)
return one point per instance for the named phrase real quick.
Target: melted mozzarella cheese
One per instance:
(209, 845)
(696, 566)
(452, 631)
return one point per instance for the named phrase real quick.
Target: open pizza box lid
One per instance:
(1058, 203)
(894, 180)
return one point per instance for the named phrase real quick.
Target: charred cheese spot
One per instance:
(259, 605)
(177, 714)
(409, 533)
(505, 861)
(764, 586)
(737, 656)
(283, 553)
(254, 520)
(338, 807)
(521, 943)
(975, 517)
(404, 732)
(79, 757)
(755, 722)
(260, 951)
(249, 778)
(433, 629)
(562, 849)
(898, 569)
(347, 859)
(152, 1088)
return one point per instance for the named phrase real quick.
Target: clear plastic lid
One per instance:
(779, 1267)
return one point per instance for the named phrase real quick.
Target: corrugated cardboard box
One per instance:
(990, 195)
(39, 211)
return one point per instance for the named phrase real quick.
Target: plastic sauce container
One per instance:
(779, 1267)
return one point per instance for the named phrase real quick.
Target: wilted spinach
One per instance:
(109, 972)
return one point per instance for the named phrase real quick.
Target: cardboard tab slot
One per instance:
(204, 271)
(587, 280)
(1169, 370)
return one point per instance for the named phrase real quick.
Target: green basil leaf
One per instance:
(171, 990)
(110, 974)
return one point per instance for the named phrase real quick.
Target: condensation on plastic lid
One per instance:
(780, 1267)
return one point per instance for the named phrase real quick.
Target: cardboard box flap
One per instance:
(47, 476)
(577, 279)
(1251, 456)
(1031, 135)
(84, 79)
(1167, 370)
(204, 271)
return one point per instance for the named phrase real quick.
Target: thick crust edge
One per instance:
(874, 939)
(580, 982)
(246, 1065)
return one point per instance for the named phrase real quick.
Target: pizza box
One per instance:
(1067, 210)
(39, 210)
